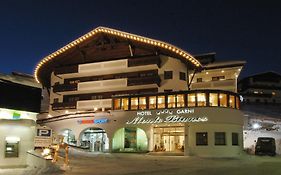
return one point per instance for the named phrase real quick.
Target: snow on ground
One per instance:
(84, 163)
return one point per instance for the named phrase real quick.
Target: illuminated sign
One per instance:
(93, 121)
(43, 137)
(165, 116)
(10, 114)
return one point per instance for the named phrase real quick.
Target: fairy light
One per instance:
(164, 45)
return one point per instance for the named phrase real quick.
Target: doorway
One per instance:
(169, 139)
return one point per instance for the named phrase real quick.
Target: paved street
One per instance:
(142, 164)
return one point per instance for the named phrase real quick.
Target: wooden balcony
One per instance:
(63, 105)
(144, 81)
(64, 87)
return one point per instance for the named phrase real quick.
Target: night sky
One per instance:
(235, 30)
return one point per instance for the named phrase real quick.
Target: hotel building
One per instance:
(112, 91)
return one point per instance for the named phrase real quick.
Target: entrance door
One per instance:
(169, 139)
(94, 139)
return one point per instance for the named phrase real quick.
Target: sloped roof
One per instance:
(162, 46)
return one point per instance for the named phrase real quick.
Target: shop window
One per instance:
(231, 101)
(223, 100)
(201, 138)
(201, 99)
(134, 103)
(117, 103)
(199, 80)
(220, 138)
(180, 100)
(238, 103)
(171, 101)
(161, 102)
(125, 104)
(235, 139)
(142, 103)
(191, 102)
(182, 76)
(213, 99)
(152, 102)
(168, 75)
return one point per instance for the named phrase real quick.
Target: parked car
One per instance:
(265, 146)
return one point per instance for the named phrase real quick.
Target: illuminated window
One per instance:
(223, 100)
(161, 102)
(142, 102)
(213, 99)
(191, 100)
(220, 138)
(117, 104)
(201, 99)
(134, 103)
(171, 101)
(180, 100)
(237, 103)
(231, 101)
(125, 104)
(152, 102)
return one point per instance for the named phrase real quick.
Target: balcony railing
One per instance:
(144, 81)
(64, 105)
(64, 87)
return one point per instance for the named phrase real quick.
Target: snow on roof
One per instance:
(219, 64)
(20, 78)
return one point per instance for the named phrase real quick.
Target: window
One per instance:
(161, 102)
(235, 139)
(117, 104)
(171, 101)
(125, 104)
(220, 138)
(134, 103)
(231, 101)
(218, 78)
(223, 100)
(142, 103)
(168, 75)
(182, 76)
(201, 138)
(191, 100)
(180, 100)
(213, 99)
(201, 99)
(152, 102)
(199, 80)
(238, 102)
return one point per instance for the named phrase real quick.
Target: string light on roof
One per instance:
(118, 33)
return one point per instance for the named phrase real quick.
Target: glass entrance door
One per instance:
(169, 139)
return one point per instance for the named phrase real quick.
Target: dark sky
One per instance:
(235, 30)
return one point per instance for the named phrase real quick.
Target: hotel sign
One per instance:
(166, 116)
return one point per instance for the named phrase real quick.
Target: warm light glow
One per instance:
(118, 33)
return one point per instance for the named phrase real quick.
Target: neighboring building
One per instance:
(119, 92)
(263, 88)
(19, 106)
(261, 106)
